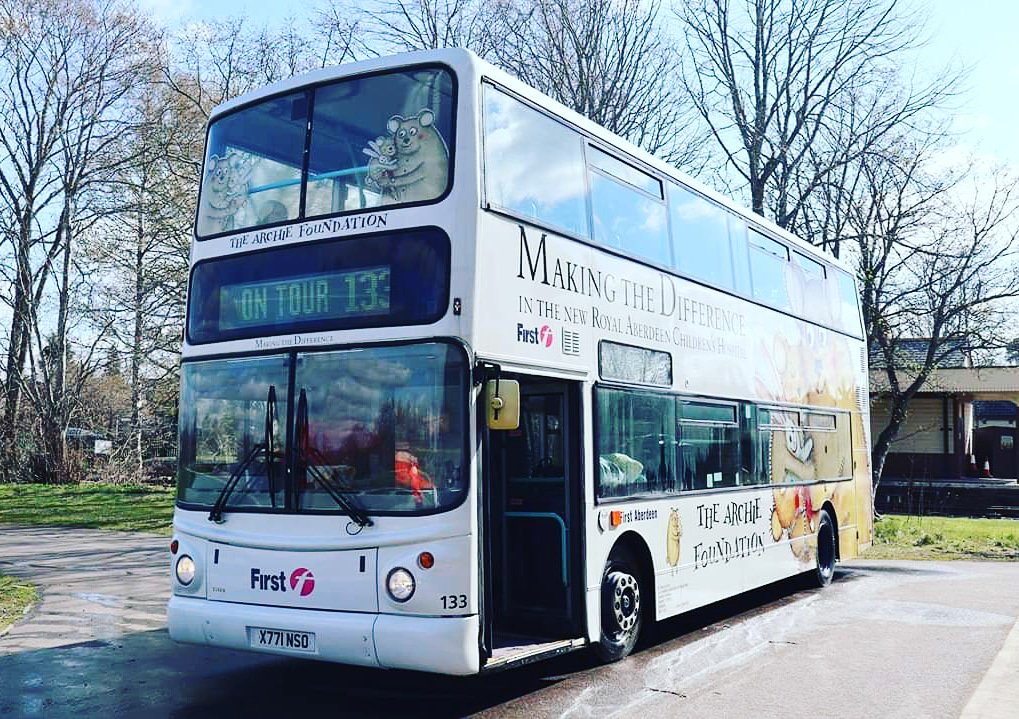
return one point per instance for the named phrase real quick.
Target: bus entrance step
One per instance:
(507, 655)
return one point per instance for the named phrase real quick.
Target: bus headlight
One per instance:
(185, 570)
(400, 584)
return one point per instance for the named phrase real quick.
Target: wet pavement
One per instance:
(890, 639)
(96, 585)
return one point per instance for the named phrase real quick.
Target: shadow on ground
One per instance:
(144, 674)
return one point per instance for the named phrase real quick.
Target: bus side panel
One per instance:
(711, 546)
(863, 536)
(553, 303)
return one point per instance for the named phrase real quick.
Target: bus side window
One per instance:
(628, 208)
(848, 312)
(832, 451)
(787, 449)
(740, 254)
(700, 237)
(534, 166)
(635, 443)
(769, 262)
(748, 444)
(709, 437)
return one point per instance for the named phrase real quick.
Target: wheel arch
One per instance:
(636, 547)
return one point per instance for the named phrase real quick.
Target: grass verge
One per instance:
(97, 506)
(15, 597)
(907, 537)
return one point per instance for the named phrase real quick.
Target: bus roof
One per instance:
(462, 60)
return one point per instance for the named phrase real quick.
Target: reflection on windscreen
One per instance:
(223, 407)
(382, 426)
(387, 423)
(378, 140)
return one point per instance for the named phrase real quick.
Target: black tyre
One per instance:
(826, 550)
(622, 612)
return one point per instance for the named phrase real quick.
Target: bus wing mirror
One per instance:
(502, 404)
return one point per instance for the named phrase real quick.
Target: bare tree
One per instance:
(67, 71)
(223, 63)
(234, 56)
(231, 57)
(935, 252)
(31, 118)
(391, 26)
(140, 258)
(608, 60)
(793, 91)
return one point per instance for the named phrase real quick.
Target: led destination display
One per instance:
(382, 280)
(323, 296)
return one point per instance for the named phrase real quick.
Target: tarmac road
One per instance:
(888, 639)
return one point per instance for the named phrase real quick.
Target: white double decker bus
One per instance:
(469, 381)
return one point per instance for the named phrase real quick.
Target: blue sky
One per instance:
(980, 35)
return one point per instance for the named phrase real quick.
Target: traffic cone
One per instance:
(972, 465)
(987, 468)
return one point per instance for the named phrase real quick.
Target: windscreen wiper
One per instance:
(268, 445)
(330, 481)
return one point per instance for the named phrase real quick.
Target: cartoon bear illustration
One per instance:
(382, 151)
(790, 462)
(422, 167)
(672, 537)
(794, 512)
(805, 457)
(225, 194)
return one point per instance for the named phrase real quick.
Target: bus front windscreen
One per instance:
(380, 429)
(370, 141)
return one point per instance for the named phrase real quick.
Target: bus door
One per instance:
(533, 482)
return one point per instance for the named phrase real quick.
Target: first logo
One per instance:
(302, 581)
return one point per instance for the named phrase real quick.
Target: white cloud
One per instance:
(166, 12)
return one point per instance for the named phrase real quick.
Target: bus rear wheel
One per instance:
(622, 613)
(825, 568)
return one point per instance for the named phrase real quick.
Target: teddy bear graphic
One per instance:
(672, 537)
(382, 151)
(801, 462)
(422, 160)
(225, 192)
(793, 513)
(805, 457)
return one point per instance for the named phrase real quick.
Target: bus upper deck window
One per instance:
(534, 166)
(253, 166)
(700, 237)
(380, 140)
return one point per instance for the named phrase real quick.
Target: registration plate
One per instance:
(265, 638)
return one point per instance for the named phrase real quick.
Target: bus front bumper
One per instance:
(446, 645)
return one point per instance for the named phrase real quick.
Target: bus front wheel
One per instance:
(825, 569)
(622, 613)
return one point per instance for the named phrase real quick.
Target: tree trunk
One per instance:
(59, 414)
(17, 352)
(136, 344)
(883, 442)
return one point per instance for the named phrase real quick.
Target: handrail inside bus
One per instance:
(311, 177)
(562, 529)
